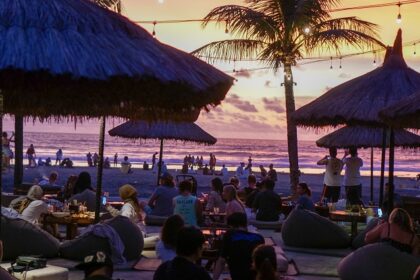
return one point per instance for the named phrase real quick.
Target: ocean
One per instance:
(228, 151)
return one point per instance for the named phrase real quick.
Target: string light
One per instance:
(154, 29)
(234, 66)
(399, 19)
(414, 49)
(340, 62)
(307, 30)
(331, 59)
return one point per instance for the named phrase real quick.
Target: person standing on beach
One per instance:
(95, 159)
(352, 184)
(89, 159)
(272, 173)
(116, 160)
(332, 177)
(154, 160)
(6, 151)
(58, 156)
(30, 153)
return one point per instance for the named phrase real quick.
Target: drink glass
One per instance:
(216, 210)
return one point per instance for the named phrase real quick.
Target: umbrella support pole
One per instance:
(100, 168)
(18, 170)
(391, 171)
(160, 161)
(1, 161)
(382, 181)
(371, 175)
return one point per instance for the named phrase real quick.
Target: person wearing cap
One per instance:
(131, 208)
(134, 211)
(161, 200)
(97, 266)
(189, 247)
(32, 206)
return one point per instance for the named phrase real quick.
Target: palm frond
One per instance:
(240, 20)
(230, 50)
(114, 5)
(352, 23)
(332, 40)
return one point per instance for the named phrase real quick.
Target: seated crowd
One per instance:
(180, 242)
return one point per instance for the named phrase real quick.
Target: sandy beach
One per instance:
(145, 181)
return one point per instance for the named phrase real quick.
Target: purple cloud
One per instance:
(273, 105)
(243, 105)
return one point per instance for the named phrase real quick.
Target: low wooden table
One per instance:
(352, 217)
(71, 222)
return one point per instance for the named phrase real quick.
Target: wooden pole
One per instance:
(160, 161)
(391, 172)
(1, 161)
(382, 181)
(100, 168)
(371, 174)
(18, 171)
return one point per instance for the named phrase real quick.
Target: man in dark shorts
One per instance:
(189, 246)
(332, 177)
(237, 247)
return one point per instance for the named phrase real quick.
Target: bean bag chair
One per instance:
(359, 240)
(306, 229)
(265, 225)
(129, 233)
(378, 261)
(23, 238)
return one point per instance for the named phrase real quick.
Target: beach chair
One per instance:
(192, 179)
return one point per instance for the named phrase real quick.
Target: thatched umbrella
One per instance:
(183, 131)
(69, 58)
(366, 137)
(358, 101)
(405, 113)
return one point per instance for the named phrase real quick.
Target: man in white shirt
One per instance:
(37, 207)
(351, 181)
(332, 177)
(224, 171)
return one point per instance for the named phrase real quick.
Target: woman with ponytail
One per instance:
(265, 263)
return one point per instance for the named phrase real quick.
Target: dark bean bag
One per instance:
(307, 229)
(129, 233)
(23, 238)
(378, 261)
(359, 240)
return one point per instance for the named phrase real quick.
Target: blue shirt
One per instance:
(185, 207)
(164, 201)
(305, 202)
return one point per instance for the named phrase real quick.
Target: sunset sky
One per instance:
(254, 106)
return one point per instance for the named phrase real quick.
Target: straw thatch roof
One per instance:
(366, 137)
(184, 131)
(405, 113)
(358, 101)
(56, 55)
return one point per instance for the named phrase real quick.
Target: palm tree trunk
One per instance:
(292, 144)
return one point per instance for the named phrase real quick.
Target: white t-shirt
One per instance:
(333, 169)
(352, 171)
(34, 211)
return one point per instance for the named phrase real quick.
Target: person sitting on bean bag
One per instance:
(398, 232)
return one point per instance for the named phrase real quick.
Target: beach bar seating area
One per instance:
(84, 62)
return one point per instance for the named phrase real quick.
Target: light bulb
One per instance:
(399, 19)
(307, 30)
(161, 1)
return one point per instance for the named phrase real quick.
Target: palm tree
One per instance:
(279, 33)
(114, 5)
